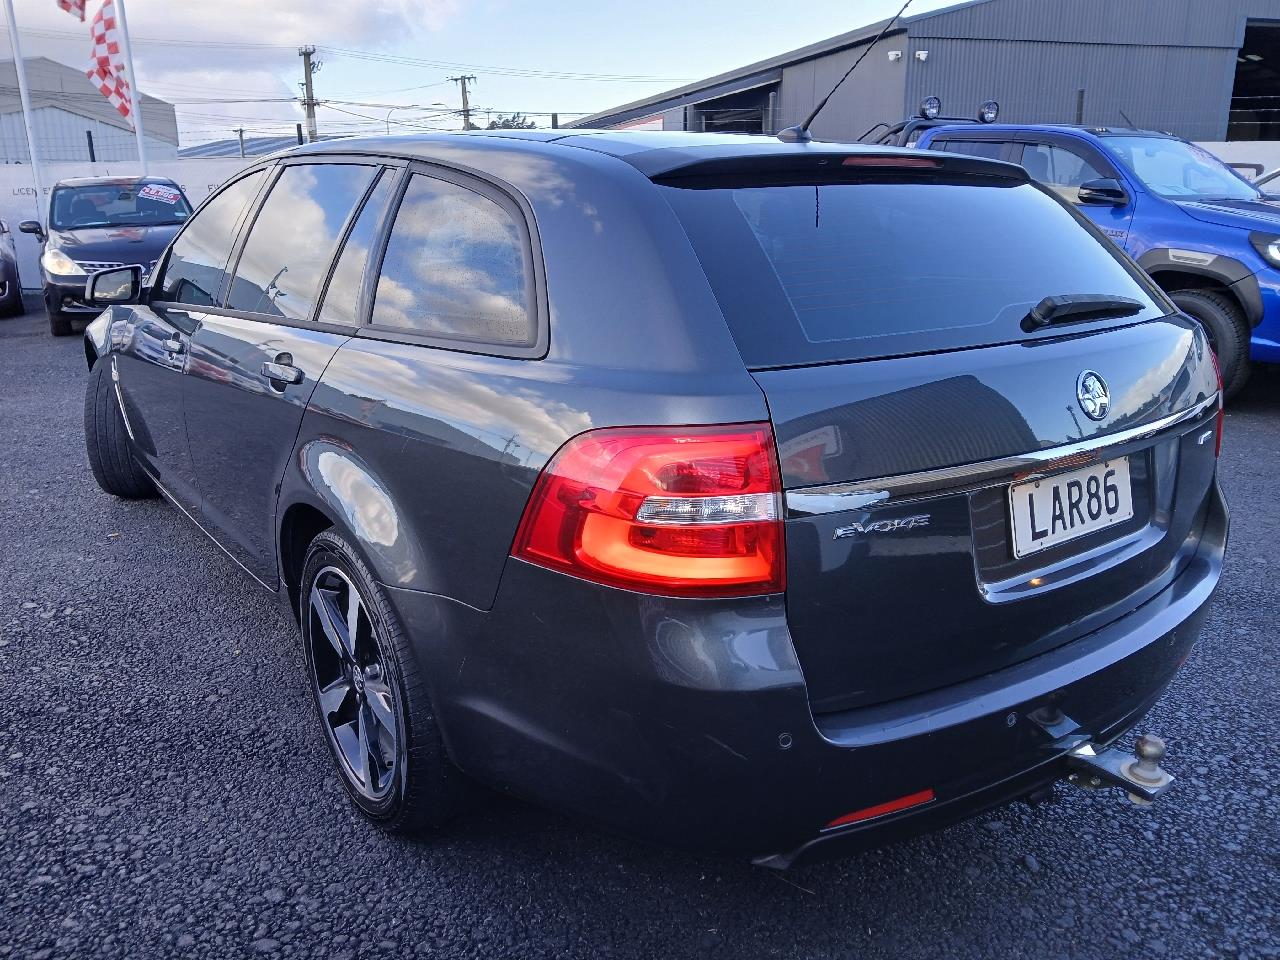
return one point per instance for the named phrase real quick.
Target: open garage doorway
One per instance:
(1255, 97)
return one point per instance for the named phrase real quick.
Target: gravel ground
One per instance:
(165, 791)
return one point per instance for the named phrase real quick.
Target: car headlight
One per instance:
(60, 265)
(1268, 247)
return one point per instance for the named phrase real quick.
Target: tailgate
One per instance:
(901, 564)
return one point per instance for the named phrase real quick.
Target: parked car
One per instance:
(10, 282)
(1210, 239)
(100, 223)
(763, 498)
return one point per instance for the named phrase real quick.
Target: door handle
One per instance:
(278, 372)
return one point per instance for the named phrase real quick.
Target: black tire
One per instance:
(13, 306)
(423, 789)
(59, 322)
(107, 441)
(1228, 332)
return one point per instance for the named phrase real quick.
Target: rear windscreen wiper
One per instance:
(1078, 307)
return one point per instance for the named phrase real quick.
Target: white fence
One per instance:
(18, 195)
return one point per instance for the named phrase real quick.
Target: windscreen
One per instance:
(1179, 170)
(121, 205)
(848, 271)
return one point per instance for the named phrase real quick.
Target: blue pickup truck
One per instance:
(1209, 238)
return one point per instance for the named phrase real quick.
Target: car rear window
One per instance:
(848, 271)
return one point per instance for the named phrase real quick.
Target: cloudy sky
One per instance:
(232, 63)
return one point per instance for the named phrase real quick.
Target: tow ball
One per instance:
(1139, 775)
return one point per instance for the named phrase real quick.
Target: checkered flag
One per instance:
(106, 64)
(73, 7)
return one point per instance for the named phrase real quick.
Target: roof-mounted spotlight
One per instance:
(988, 112)
(930, 108)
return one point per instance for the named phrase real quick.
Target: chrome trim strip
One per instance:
(857, 494)
(115, 382)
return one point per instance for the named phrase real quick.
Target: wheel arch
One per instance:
(300, 524)
(97, 338)
(330, 486)
(1174, 270)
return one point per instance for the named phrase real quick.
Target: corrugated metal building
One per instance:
(65, 105)
(1203, 69)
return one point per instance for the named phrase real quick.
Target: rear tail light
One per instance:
(679, 511)
(1220, 422)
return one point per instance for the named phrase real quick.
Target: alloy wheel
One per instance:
(358, 707)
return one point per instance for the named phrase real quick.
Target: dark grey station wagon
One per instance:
(770, 499)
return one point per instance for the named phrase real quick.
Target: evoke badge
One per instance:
(883, 526)
(1094, 397)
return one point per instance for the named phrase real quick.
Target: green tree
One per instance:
(515, 121)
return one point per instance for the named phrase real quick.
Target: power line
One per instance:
(528, 72)
(503, 71)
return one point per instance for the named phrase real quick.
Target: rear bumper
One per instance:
(688, 722)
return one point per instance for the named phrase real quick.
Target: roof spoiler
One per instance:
(668, 165)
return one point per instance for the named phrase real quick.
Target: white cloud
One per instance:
(232, 49)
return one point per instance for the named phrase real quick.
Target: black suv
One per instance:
(758, 497)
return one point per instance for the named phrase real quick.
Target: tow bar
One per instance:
(1138, 774)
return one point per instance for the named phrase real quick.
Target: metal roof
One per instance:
(61, 87)
(253, 147)
(733, 81)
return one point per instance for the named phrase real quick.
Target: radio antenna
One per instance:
(800, 133)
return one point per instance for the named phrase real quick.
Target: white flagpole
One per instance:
(20, 67)
(134, 91)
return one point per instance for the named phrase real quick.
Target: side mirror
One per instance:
(32, 226)
(120, 285)
(1104, 191)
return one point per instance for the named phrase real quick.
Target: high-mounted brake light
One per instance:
(679, 511)
(888, 160)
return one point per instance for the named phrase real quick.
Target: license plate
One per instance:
(1056, 509)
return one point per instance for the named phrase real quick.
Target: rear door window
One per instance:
(1063, 170)
(197, 263)
(457, 267)
(846, 271)
(342, 298)
(292, 241)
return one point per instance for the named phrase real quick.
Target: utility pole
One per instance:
(466, 104)
(240, 133)
(309, 67)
